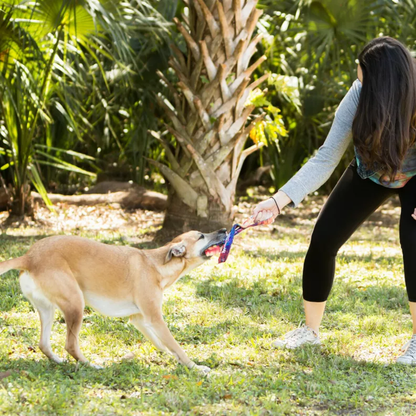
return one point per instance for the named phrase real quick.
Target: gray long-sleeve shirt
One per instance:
(317, 170)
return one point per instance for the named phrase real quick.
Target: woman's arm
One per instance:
(319, 168)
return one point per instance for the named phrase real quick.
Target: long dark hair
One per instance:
(384, 126)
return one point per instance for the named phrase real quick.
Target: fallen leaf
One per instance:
(170, 377)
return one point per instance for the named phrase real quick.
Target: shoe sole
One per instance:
(403, 363)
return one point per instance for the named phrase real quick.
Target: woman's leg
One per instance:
(413, 313)
(314, 312)
(351, 202)
(407, 196)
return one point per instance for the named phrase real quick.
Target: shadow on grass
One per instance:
(124, 375)
(66, 388)
(71, 370)
(147, 245)
(31, 239)
(297, 255)
(311, 378)
(261, 299)
(14, 239)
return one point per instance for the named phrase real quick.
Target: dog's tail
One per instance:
(19, 263)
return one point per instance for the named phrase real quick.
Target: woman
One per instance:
(379, 113)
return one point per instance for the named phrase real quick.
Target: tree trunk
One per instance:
(22, 202)
(210, 114)
(180, 218)
(132, 199)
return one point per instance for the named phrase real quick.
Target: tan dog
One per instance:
(71, 272)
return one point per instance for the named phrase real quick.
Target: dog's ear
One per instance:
(176, 250)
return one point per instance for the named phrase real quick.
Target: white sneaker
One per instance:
(297, 338)
(409, 357)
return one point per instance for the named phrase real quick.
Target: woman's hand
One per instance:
(271, 206)
(265, 210)
(414, 214)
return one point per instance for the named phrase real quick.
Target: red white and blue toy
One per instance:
(237, 229)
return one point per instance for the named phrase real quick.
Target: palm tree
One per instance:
(208, 114)
(38, 40)
(53, 56)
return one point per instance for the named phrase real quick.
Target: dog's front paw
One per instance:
(95, 366)
(56, 359)
(202, 369)
(88, 364)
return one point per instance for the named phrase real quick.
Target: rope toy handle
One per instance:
(237, 229)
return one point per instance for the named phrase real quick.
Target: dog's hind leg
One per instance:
(73, 312)
(46, 310)
(70, 301)
(46, 313)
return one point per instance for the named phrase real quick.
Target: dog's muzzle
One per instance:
(216, 243)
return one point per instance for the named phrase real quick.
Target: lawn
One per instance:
(225, 316)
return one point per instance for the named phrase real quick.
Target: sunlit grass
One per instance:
(225, 316)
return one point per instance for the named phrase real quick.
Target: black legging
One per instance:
(351, 202)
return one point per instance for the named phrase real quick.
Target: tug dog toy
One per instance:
(237, 229)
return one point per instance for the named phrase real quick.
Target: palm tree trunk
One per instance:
(21, 204)
(209, 118)
(180, 218)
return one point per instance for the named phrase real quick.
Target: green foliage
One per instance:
(288, 87)
(74, 77)
(27, 88)
(96, 63)
(272, 127)
(317, 43)
(336, 30)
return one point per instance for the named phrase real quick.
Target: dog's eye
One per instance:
(201, 237)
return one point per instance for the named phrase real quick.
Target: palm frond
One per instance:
(37, 182)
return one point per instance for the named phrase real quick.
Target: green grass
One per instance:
(225, 316)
